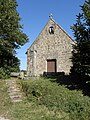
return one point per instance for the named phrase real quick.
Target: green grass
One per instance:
(4, 99)
(32, 111)
(45, 100)
(58, 99)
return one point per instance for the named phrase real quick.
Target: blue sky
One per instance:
(35, 15)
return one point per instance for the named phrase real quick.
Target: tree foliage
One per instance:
(81, 52)
(11, 35)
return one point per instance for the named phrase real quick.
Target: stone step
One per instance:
(15, 96)
(2, 118)
(16, 100)
(14, 91)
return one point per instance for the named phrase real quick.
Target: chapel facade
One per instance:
(51, 52)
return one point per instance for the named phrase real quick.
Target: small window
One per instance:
(51, 30)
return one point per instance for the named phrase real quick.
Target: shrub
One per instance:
(58, 98)
(4, 73)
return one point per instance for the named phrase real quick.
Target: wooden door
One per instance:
(51, 65)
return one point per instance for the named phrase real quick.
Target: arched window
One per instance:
(51, 30)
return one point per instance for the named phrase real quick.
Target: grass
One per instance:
(45, 100)
(4, 99)
(32, 111)
(66, 104)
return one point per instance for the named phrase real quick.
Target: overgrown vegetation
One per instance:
(71, 105)
(45, 100)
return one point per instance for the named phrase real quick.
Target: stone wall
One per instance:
(50, 46)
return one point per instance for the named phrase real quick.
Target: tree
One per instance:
(11, 35)
(81, 52)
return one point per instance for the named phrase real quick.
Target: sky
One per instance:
(35, 14)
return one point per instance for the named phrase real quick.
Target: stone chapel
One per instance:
(51, 52)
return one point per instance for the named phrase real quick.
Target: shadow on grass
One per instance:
(73, 82)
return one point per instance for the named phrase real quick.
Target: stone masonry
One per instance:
(53, 43)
